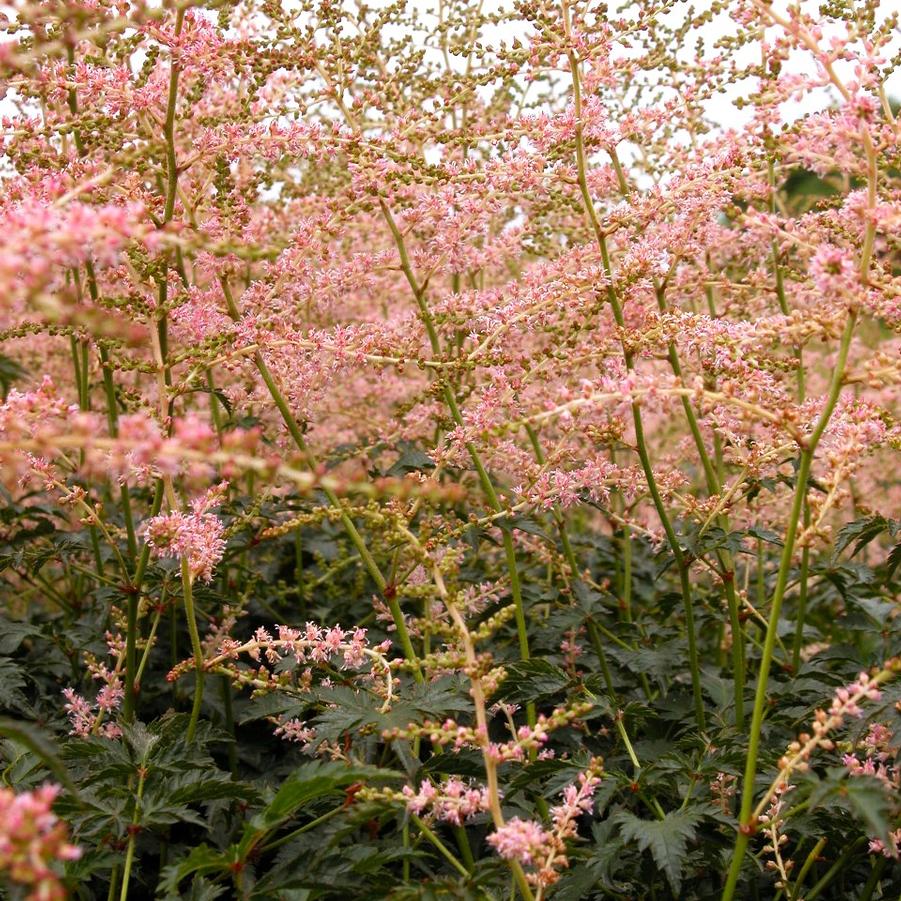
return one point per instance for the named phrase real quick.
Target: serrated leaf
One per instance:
(13, 633)
(667, 839)
(269, 705)
(202, 860)
(195, 787)
(863, 531)
(412, 459)
(441, 697)
(659, 662)
(529, 680)
(767, 535)
(12, 681)
(864, 796)
(868, 799)
(893, 561)
(204, 890)
(40, 744)
(313, 780)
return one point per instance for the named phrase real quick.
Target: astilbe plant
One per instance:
(450, 450)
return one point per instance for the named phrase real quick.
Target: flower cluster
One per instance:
(878, 757)
(87, 717)
(541, 849)
(453, 800)
(770, 822)
(305, 648)
(845, 702)
(526, 739)
(195, 537)
(522, 840)
(32, 839)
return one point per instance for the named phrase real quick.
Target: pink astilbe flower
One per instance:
(544, 850)
(592, 309)
(521, 840)
(834, 272)
(306, 649)
(297, 731)
(452, 801)
(79, 711)
(878, 756)
(87, 717)
(891, 850)
(32, 839)
(846, 702)
(195, 536)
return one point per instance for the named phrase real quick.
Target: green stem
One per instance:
(462, 839)
(835, 869)
(802, 597)
(640, 441)
(131, 642)
(626, 543)
(80, 365)
(112, 416)
(598, 646)
(149, 646)
(197, 650)
(484, 479)
(714, 486)
(72, 100)
(442, 848)
(681, 566)
(277, 843)
(95, 548)
(113, 883)
(169, 128)
(216, 414)
(805, 869)
(132, 675)
(76, 365)
(873, 879)
(133, 831)
(405, 842)
(85, 373)
(570, 558)
(747, 827)
(226, 687)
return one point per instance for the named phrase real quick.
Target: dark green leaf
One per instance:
(667, 839)
(529, 680)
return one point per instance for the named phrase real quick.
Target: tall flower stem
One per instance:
(713, 479)
(479, 701)
(747, 825)
(801, 611)
(714, 487)
(442, 848)
(296, 433)
(133, 830)
(451, 401)
(187, 584)
(594, 630)
(112, 414)
(638, 424)
(168, 489)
